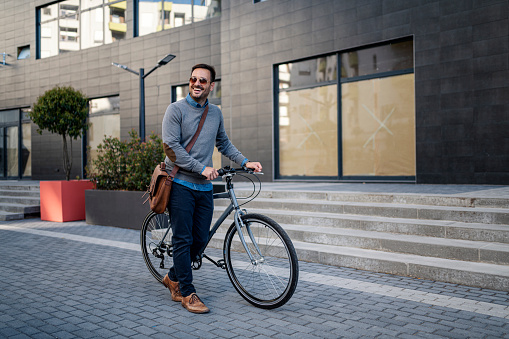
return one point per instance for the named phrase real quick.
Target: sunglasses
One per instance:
(201, 80)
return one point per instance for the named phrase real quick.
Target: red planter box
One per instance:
(64, 200)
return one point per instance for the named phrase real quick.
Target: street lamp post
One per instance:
(141, 74)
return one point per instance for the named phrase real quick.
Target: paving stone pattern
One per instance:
(59, 284)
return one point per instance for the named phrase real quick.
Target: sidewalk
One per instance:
(73, 280)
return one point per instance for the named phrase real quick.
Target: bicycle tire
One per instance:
(153, 229)
(269, 284)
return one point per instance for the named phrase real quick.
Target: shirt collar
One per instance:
(193, 103)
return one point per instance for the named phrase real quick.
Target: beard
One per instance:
(203, 94)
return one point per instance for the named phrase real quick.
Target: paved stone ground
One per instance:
(73, 280)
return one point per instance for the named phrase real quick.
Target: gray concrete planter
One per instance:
(115, 208)
(120, 208)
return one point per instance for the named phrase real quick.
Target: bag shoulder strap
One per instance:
(200, 125)
(193, 140)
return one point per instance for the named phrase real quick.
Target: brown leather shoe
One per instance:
(173, 286)
(193, 304)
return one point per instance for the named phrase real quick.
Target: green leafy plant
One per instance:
(126, 165)
(62, 110)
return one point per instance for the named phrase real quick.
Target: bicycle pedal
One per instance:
(221, 264)
(195, 265)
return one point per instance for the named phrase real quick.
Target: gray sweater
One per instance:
(180, 122)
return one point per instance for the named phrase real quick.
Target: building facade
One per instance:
(400, 91)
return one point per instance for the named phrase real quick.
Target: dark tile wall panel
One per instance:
(461, 72)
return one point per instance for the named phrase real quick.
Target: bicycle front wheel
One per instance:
(156, 244)
(270, 280)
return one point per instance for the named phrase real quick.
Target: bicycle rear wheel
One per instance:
(271, 281)
(156, 253)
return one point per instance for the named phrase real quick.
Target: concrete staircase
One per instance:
(19, 200)
(442, 238)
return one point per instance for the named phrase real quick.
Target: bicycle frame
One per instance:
(239, 224)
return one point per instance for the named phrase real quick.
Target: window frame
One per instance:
(339, 81)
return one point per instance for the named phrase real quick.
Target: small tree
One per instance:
(62, 110)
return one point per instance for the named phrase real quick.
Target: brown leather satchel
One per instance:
(160, 185)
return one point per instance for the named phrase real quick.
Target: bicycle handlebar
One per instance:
(228, 170)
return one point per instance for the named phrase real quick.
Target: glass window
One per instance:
(3, 149)
(308, 73)
(9, 117)
(11, 144)
(104, 119)
(49, 12)
(24, 52)
(26, 151)
(158, 15)
(108, 105)
(308, 132)
(26, 143)
(92, 33)
(378, 127)
(117, 26)
(87, 4)
(386, 58)
(49, 39)
(149, 16)
(66, 26)
(69, 9)
(377, 114)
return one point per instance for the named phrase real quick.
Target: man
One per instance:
(191, 203)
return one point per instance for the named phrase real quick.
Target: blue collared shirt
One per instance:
(193, 186)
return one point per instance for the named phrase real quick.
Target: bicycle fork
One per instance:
(239, 225)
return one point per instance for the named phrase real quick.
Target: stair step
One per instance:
(20, 208)
(7, 216)
(458, 249)
(18, 193)
(429, 228)
(19, 187)
(482, 275)
(22, 200)
(463, 214)
(475, 251)
(399, 198)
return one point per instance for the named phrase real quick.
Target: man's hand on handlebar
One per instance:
(255, 166)
(210, 173)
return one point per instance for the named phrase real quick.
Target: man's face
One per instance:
(200, 91)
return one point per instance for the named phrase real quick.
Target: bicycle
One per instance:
(261, 261)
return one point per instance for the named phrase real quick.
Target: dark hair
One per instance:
(207, 67)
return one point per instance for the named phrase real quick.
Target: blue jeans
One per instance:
(191, 215)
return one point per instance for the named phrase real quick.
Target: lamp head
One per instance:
(166, 59)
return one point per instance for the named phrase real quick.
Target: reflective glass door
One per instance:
(9, 152)
(11, 147)
(3, 159)
(15, 144)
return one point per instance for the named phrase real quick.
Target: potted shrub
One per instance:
(122, 172)
(62, 110)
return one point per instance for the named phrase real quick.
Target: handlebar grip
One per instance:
(225, 170)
